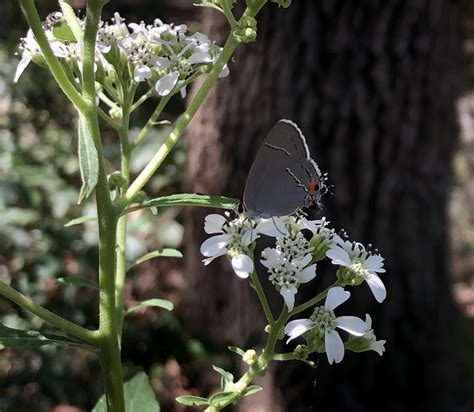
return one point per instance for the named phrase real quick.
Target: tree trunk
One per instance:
(372, 85)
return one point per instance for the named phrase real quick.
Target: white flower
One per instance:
(232, 238)
(288, 264)
(323, 324)
(30, 49)
(362, 265)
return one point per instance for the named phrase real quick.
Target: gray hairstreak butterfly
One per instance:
(283, 178)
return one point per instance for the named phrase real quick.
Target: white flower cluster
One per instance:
(299, 244)
(165, 55)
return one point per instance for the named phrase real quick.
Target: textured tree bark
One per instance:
(372, 85)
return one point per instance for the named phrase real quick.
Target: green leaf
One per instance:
(166, 252)
(80, 220)
(31, 339)
(207, 4)
(77, 281)
(139, 396)
(186, 199)
(227, 377)
(88, 161)
(219, 397)
(62, 31)
(159, 303)
(189, 400)
(252, 389)
(236, 350)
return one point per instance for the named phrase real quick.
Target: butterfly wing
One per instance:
(277, 181)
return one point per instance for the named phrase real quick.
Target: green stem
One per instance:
(121, 268)
(159, 109)
(262, 297)
(144, 97)
(151, 121)
(52, 61)
(318, 298)
(107, 219)
(181, 124)
(26, 303)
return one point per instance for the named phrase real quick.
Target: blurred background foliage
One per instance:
(39, 185)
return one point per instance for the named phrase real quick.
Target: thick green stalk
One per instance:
(52, 61)
(181, 124)
(26, 303)
(107, 218)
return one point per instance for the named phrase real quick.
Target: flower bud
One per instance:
(250, 357)
(246, 29)
(116, 180)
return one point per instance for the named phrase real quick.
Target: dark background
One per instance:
(380, 89)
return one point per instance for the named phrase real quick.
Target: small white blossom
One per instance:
(232, 238)
(323, 324)
(361, 264)
(288, 263)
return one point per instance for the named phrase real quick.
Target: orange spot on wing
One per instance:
(313, 187)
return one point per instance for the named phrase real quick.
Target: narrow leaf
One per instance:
(77, 281)
(226, 377)
(139, 396)
(80, 220)
(159, 303)
(252, 389)
(88, 161)
(219, 397)
(189, 400)
(186, 199)
(236, 350)
(167, 252)
(31, 339)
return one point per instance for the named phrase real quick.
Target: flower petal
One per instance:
(307, 274)
(302, 262)
(242, 265)
(199, 57)
(165, 85)
(297, 327)
(249, 236)
(141, 73)
(374, 263)
(210, 259)
(271, 257)
(334, 347)
(377, 287)
(273, 227)
(335, 297)
(215, 244)
(288, 293)
(339, 256)
(224, 72)
(213, 223)
(352, 324)
(24, 62)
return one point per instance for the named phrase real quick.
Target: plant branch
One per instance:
(26, 303)
(181, 123)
